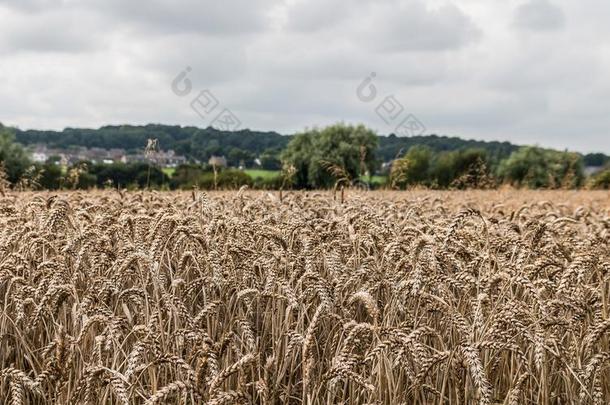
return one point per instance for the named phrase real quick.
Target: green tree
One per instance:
(535, 167)
(447, 167)
(595, 159)
(601, 180)
(187, 176)
(412, 168)
(239, 157)
(50, 176)
(298, 155)
(12, 156)
(270, 160)
(128, 175)
(313, 152)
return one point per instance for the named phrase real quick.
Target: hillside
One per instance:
(198, 143)
(192, 142)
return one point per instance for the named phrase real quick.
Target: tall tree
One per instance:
(12, 155)
(535, 167)
(412, 168)
(349, 149)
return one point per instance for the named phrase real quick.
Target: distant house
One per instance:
(115, 154)
(39, 157)
(40, 154)
(169, 158)
(134, 158)
(218, 161)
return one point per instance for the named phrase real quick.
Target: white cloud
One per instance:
(527, 71)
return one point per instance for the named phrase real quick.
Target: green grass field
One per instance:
(375, 179)
(169, 171)
(265, 174)
(270, 174)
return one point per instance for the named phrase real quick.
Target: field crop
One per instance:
(498, 297)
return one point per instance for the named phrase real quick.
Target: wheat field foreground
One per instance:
(240, 297)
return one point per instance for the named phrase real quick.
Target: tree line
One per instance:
(336, 156)
(343, 154)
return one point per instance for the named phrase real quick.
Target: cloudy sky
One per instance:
(527, 71)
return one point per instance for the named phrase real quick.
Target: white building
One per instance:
(39, 157)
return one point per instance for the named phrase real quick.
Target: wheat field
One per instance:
(495, 297)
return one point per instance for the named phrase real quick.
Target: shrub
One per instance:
(601, 180)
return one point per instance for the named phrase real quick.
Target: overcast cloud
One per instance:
(526, 71)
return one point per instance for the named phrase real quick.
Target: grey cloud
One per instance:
(32, 6)
(385, 26)
(53, 42)
(313, 15)
(212, 60)
(226, 17)
(51, 32)
(338, 61)
(539, 15)
(412, 26)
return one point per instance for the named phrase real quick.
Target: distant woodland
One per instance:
(338, 155)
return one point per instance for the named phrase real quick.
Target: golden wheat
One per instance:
(481, 297)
